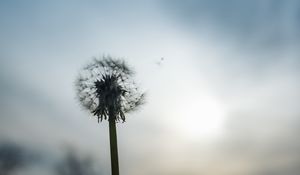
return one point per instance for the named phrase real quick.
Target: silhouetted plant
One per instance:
(105, 88)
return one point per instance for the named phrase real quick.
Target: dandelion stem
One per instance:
(113, 147)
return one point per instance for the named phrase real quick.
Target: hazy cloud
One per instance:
(242, 56)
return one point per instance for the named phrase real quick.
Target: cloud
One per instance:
(265, 23)
(243, 53)
(252, 63)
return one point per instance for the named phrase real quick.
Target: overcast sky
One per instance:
(223, 101)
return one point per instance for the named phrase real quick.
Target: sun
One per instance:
(198, 116)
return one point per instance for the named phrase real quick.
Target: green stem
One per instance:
(113, 148)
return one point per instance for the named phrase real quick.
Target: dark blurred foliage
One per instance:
(73, 164)
(12, 157)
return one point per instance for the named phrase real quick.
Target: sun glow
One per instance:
(198, 116)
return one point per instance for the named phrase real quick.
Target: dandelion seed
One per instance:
(107, 82)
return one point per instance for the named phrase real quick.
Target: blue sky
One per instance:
(226, 94)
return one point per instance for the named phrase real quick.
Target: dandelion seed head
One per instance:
(105, 87)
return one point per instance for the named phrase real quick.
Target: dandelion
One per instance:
(106, 89)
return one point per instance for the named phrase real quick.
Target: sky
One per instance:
(222, 101)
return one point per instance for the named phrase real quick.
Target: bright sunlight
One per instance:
(198, 116)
